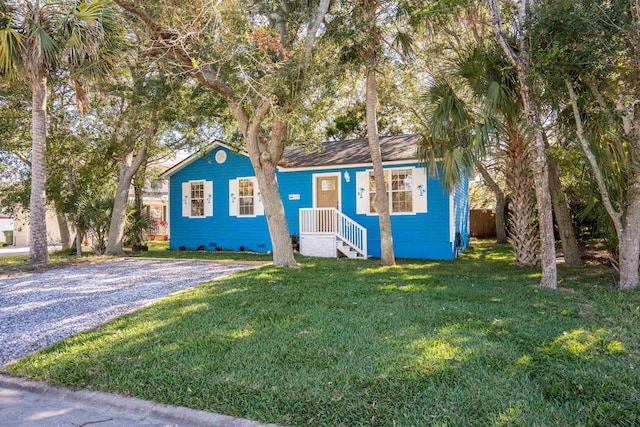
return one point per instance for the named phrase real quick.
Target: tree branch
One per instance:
(615, 215)
(22, 157)
(310, 38)
(204, 74)
(494, 13)
(489, 179)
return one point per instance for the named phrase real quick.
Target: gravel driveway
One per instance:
(39, 309)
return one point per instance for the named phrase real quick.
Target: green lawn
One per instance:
(20, 263)
(345, 343)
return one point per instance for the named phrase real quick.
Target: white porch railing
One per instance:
(332, 221)
(157, 229)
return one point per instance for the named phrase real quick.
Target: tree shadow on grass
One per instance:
(339, 343)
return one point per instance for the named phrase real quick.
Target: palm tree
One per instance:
(94, 211)
(464, 134)
(492, 125)
(494, 82)
(35, 37)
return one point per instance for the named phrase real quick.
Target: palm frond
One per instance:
(91, 33)
(41, 47)
(403, 43)
(11, 44)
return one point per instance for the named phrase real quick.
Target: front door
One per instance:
(327, 192)
(327, 197)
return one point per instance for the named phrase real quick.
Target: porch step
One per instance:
(328, 232)
(346, 249)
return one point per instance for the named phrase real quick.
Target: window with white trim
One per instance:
(245, 197)
(400, 194)
(197, 198)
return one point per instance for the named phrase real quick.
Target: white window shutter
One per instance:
(233, 197)
(186, 199)
(419, 185)
(362, 192)
(257, 199)
(208, 198)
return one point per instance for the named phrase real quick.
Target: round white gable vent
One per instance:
(221, 156)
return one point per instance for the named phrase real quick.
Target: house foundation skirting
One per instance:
(320, 245)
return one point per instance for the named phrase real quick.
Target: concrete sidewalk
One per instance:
(36, 404)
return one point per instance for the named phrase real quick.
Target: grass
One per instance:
(346, 343)
(157, 249)
(20, 263)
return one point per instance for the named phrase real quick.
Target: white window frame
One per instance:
(389, 172)
(191, 199)
(252, 180)
(391, 191)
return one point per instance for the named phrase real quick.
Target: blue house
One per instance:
(329, 200)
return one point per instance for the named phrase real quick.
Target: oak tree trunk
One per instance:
(79, 237)
(501, 229)
(563, 218)
(119, 213)
(128, 169)
(541, 180)
(625, 218)
(129, 166)
(274, 211)
(38, 253)
(629, 239)
(521, 61)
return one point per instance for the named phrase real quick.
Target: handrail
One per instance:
(331, 220)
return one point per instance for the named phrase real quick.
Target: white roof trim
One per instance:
(349, 165)
(195, 156)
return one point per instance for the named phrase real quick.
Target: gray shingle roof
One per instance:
(353, 151)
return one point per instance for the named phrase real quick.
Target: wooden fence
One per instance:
(482, 223)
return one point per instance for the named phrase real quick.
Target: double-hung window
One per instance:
(246, 197)
(197, 198)
(399, 193)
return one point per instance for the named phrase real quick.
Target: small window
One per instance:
(246, 200)
(197, 198)
(401, 194)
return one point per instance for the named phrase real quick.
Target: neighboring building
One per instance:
(155, 201)
(6, 225)
(328, 197)
(21, 228)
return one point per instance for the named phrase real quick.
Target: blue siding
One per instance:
(424, 235)
(219, 230)
(461, 210)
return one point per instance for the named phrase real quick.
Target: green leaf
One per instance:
(11, 44)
